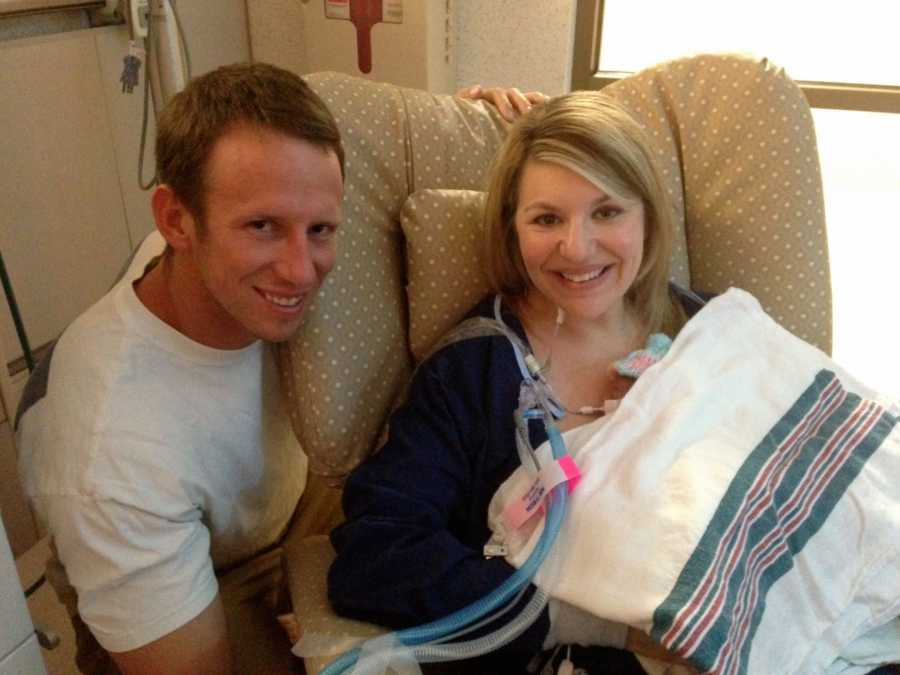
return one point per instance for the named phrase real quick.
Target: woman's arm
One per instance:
(410, 550)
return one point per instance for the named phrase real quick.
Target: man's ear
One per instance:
(173, 219)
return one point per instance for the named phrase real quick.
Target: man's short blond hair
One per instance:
(253, 94)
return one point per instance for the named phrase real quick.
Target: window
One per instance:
(846, 64)
(842, 60)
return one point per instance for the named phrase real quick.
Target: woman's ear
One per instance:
(173, 219)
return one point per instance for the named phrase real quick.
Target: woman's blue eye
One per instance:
(546, 219)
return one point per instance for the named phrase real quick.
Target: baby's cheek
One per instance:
(617, 385)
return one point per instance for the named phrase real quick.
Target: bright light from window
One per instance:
(827, 40)
(860, 156)
(819, 40)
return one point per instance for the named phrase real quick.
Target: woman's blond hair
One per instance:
(594, 136)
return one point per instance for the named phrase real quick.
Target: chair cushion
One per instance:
(445, 275)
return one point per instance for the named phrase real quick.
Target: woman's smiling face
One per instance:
(581, 246)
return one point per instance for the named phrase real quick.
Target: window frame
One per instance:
(586, 73)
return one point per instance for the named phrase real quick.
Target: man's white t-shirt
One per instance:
(154, 461)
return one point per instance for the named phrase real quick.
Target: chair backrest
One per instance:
(345, 369)
(736, 140)
(736, 144)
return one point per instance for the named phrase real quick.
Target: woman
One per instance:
(578, 239)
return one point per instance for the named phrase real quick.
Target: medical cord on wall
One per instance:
(188, 69)
(148, 94)
(129, 78)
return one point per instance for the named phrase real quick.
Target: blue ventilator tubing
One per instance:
(440, 629)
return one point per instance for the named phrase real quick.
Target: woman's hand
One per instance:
(510, 103)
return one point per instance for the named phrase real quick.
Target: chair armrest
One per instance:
(306, 565)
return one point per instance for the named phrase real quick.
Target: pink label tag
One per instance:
(520, 510)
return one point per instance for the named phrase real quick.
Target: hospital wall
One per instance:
(442, 45)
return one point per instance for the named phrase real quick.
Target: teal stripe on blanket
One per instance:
(779, 498)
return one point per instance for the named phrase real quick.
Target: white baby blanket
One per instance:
(742, 505)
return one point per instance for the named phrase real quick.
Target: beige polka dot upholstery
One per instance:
(735, 140)
(344, 369)
(340, 371)
(446, 277)
(310, 559)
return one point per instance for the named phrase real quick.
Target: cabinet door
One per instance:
(13, 610)
(25, 660)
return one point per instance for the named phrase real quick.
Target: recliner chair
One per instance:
(736, 143)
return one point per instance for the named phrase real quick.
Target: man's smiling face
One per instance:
(267, 240)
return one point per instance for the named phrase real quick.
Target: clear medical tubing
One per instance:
(441, 628)
(456, 651)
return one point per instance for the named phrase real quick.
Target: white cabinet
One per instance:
(19, 651)
(24, 660)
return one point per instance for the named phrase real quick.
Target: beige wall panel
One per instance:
(73, 208)
(61, 226)
(525, 44)
(278, 33)
(216, 33)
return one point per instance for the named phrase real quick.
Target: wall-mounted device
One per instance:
(411, 44)
(156, 33)
(157, 42)
(364, 14)
(139, 18)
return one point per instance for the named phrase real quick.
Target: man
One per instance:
(155, 447)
